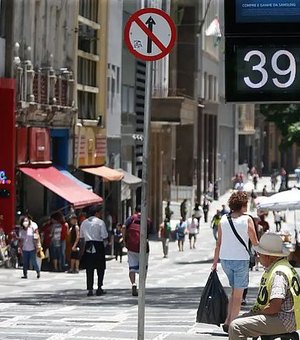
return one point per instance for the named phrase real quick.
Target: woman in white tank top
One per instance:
(233, 255)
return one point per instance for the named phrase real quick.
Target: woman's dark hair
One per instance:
(22, 218)
(71, 217)
(58, 216)
(238, 200)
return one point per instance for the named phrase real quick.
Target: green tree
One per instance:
(286, 117)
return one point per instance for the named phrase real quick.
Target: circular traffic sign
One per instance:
(150, 34)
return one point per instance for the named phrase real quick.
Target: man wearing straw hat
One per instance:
(277, 308)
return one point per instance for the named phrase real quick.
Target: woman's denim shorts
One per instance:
(237, 272)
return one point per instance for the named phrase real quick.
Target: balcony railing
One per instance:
(45, 86)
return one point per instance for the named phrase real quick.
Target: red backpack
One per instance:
(133, 234)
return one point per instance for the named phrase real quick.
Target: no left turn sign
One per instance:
(150, 34)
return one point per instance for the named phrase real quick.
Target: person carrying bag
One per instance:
(234, 256)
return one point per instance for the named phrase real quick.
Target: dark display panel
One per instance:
(262, 69)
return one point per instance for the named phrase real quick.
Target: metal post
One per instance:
(144, 206)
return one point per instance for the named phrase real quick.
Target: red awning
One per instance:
(64, 187)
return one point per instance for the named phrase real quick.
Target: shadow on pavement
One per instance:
(210, 260)
(165, 298)
(212, 334)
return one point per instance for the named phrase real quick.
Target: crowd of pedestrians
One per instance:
(79, 242)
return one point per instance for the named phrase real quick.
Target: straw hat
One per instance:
(271, 244)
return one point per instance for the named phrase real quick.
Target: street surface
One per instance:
(56, 307)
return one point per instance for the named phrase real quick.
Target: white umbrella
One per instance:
(284, 200)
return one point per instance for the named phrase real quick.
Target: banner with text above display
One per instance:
(262, 16)
(262, 69)
(271, 11)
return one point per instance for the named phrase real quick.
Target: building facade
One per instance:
(41, 54)
(194, 133)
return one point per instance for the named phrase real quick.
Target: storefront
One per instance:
(54, 182)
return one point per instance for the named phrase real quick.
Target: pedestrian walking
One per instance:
(74, 235)
(164, 235)
(118, 242)
(63, 239)
(45, 234)
(55, 245)
(274, 180)
(277, 220)
(109, 226)
(205, 207)
(283, 179)
(183, 209)
(253, 197)
(131, 236)
(235, 180)
(264, 191)
(94, 234)
(276, 310)
(192, 230)
(253, 171)
(255, 181)
(224, 210)
(265, 225)
(216, 190)
(215, 223)
(180, 231)
(168, 211)
(28, 236)
(60, 219)
(234, 232)
(198, 212)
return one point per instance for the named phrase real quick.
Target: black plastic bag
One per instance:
(213, 303)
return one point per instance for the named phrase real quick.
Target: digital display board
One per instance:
(261, 17)
(267, 11)
(262, 69)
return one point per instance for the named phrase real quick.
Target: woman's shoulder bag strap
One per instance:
(236, 233)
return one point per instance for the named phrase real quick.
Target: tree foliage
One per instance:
(286, 117)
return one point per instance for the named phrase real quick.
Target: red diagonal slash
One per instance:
(150, 34)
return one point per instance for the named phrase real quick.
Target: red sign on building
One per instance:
(7, 154)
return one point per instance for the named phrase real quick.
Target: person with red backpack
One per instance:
(131, 236)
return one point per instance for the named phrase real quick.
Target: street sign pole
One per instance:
(149, 34)
(144, 205)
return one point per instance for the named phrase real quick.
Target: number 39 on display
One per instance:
(288, 74)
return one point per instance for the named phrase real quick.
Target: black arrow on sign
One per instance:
(150, 22)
